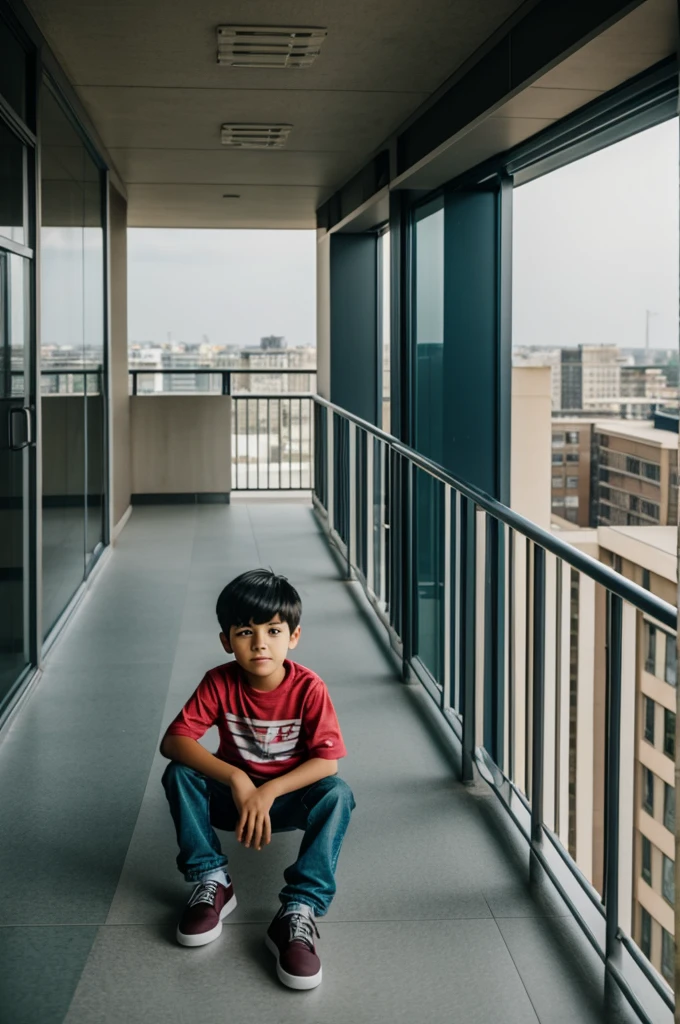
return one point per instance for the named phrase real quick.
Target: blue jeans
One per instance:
(322, 811)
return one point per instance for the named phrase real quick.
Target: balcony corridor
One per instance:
(433, 920)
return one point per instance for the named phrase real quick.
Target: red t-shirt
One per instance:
(264, 734)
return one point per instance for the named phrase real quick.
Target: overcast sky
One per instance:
(233, 286)
(595, 245)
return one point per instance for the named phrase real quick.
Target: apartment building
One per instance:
(648, 556)
(635, 473)
(570, 486)
(590, 374)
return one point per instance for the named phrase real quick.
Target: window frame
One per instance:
(668, 879)
(668, 813)
(669, 733)
(646, 859)
(649, 711)
(647, 776)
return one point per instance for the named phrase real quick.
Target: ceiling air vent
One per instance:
(255, 136)
(255, 46)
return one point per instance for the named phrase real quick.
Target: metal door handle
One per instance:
(26, 413)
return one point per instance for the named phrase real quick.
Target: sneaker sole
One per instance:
(203, 938)
(300, 984)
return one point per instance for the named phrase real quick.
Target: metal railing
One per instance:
(272, 435)
(177, 380)
(272, 443)
(529, 648)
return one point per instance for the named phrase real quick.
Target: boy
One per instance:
(275, 769)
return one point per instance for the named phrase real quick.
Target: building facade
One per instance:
(635, 474)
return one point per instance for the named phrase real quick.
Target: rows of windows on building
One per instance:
(615, 473)
(655, 822)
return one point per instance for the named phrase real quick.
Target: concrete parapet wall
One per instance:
(180, 444)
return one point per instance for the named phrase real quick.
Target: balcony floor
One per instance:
(433, 920)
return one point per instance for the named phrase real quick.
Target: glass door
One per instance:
(16, 438)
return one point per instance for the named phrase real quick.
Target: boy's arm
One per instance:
(190, 752)
(254, 825)
(306, 774)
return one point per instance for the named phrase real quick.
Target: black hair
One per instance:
(257, 596)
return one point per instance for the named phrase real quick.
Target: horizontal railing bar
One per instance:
(635, 595)
(650, 974)
(216, 371)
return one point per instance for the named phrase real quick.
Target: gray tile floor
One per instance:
(433, 920)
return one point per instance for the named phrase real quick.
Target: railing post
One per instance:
(538, 713)
(612, 777)
(351, 497)
(226, 382)
(468, 628)
(407, 624)
(134, 382)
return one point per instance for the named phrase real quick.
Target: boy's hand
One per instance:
(254, 826)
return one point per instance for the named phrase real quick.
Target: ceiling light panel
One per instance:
(255, 136)
(257, 46)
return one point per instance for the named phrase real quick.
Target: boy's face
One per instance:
(261, 649)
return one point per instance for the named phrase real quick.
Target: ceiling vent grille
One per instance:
(248, 46)
(255, 136)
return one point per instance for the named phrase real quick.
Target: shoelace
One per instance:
(205, 892)
(302, 928)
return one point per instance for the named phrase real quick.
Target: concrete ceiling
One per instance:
(645, 36)
(147, 74)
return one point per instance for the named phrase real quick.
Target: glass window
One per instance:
(645, 932)
(646, 849)
(650, 709)
(384, 284)
(667, 956)
(651, 509)
(669, 733)
(558, 503)
(632, 465)
(668, 879)
(671, 670)
(557, 459)
(558, 481)
(651, 471)
(429, 430)
(572, 515)
(646, 580)
(617, 563)
(558, 440)
(12, 176)
(648, 791)
(571, 501)
(572, 481)
(634, 503)
(573, 456)
(13, 67)
(669, 807)
(650, 648)
(429, 330)
(72, 358)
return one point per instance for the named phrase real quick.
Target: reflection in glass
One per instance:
(13, 71)
(429, 333)
(72, 358)
(429, 395)
(12, 208)
(14, 455)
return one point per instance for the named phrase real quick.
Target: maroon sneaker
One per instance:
(290, 938)
(201, 921)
